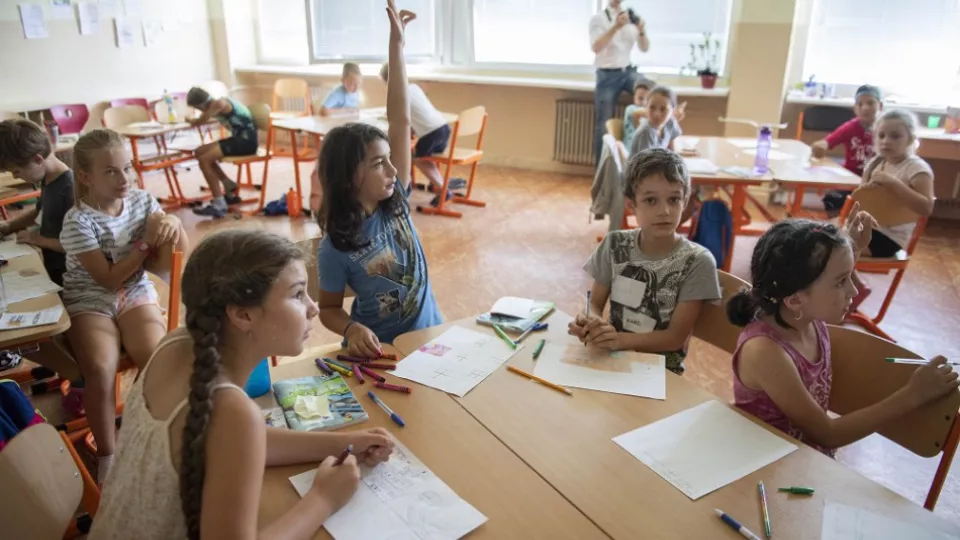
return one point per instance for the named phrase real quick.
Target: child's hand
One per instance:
(578, 327)
(879, 177)
(162, 229)
(336, 484)
(860, 225)
(398, 21)
(362, 342)
(819, 149)
(681, 112)
(28, 236)
(372, 446)
(603, 335)
(622, 20)
(932, 380)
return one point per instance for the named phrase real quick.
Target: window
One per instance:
(359, 30)
(281, 32)
(909, 48)
(557, 31)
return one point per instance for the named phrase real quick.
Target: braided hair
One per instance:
(230, 268)
(788, 258)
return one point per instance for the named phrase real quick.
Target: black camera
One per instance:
(634, 18)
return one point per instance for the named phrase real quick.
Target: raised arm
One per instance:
(398, 102)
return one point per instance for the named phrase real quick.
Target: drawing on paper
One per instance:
(436, 349)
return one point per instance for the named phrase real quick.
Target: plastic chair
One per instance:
(712, 324)
(261, 117)
(862, 377)
(70, 118)
(615, 128)
(822, 118)
(469, 122)
(137, 101)
(45, 482)
(887, 212)
(119, 117)
(296, 91)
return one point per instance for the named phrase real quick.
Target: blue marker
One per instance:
(535, 328)
(744, 532)
(393, 416)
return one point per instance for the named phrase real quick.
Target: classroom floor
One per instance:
(533, 238)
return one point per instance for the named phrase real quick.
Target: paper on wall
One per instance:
(89, 14)
(126, 32)
(34, 25)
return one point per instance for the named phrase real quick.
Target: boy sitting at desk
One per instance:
(656, 279)
(345, 98)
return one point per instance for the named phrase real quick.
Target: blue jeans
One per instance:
(609, 86)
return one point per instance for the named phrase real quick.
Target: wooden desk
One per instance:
(13, 338)
(460, 451)
(938, 144)
(567, 440)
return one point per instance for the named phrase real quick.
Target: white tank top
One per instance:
(141, 496)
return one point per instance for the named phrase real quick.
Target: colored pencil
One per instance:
(353, 359)
(356, 372)
(340, 370)
(539, 349)
(544, 382)
(371, 373)
(389, 357)
(373, 365)
(323, 366)
(343, 456)
(767, 528)
(504, 336)
(916, 362)
(394, 387)
(335, 363)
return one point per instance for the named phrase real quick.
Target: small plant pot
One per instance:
(708, 80)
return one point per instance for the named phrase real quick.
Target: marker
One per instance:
(394, 387)
(796, 490)
(539, 349)
(544, 382)
(338, 369)
(389, 357)
(353, 359)
(393, 416)
(535, 328)
(343, 456)
(356, 371)
(916, 362)
(504, 337)
(371, 373)
(323, 366)
(744, 532)
(767, 529)
(373, 365)
(335, 363)
(588, 303)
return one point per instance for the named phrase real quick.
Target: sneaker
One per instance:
(9, 360)
(457, 184)
(435, 202)
(210, 211)
(233, 198)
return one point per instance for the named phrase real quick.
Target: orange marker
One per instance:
(544, 382)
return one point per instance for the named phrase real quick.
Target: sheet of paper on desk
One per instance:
(29, 319)
(842, 522)
(10, 249)
(621, 372)
(399, 500)
(701, 166)
(20, 286)
(704, 448)
(457, 361)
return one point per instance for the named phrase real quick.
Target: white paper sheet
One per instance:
(457, 361)
(34, 25)
(512, 306)
(151, 33)
(749, 143)
(10, 249)
(109, 8)
(61, 9)
(89, 15)
(623, 372)
(687, 143)
(773, 154)
(700, 165)
(133, 8)
(399, 500)
(842, 522)
(20, 286)
(704, 448)
(29, 319)
(126, 30)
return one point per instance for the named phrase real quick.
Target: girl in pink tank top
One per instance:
(782, 369)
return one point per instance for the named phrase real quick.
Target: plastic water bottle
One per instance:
(171, 109)
(762, 162)
(259, 382)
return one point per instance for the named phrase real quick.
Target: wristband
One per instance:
(347, 328)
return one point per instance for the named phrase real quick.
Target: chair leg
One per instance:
(467, 200)
(440, 209)
(868, 323)
(949, 449)
(263, 187)
(890, 292)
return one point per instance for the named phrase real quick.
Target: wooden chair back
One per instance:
(291, 89)
(9, 115)
(261, 115)
(615, 128)
(42, 483)
(885, 206)
(216, 89)
(712, 324)
(472, 121)
(862, 377)
(119, 117)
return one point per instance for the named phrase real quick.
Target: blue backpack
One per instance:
(714, 229)
(277, 207)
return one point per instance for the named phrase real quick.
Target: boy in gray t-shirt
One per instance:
(655, 279)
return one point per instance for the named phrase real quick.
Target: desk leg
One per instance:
(136, 161)
(296, 162)
(737, 204)
(796, 209)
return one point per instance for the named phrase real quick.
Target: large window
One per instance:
(358, 30)
(674, 24)
(281, 32)
(909, 48)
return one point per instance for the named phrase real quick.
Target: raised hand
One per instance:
(398, 21)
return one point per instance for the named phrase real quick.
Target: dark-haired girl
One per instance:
(801, 273)
(369, 241)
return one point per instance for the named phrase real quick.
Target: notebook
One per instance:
(518, 325)
(318, 403)
(700, 166)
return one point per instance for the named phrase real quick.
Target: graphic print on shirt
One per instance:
(398, 289)
(862, 150)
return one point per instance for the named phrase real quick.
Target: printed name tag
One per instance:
(628, 292)
(636, 322)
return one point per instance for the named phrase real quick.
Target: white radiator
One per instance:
(573, 139)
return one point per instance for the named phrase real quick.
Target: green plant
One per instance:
(704, 56)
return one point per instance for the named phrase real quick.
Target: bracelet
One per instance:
(347, 328)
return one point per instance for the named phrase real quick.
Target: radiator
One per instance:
(573, 139)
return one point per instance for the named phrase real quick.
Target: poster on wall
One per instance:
(89, 14)
(109, 8)
(31, 18)
(126, 32)
(151, 32)
(61, 9)
(133, 8)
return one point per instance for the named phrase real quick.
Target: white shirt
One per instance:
(906, 171)
(617, 53)
(424, 117)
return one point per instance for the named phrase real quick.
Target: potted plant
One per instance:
(704, 60)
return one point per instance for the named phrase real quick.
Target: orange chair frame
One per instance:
(883, 266)
(450, 161)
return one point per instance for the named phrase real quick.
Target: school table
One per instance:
(460, 451)
(567, 440)
(318, 126)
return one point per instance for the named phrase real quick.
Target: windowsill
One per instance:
(415, 73)
(921, 108)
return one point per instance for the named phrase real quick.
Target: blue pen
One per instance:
(535, 328)
(393, 416)
(733, 524)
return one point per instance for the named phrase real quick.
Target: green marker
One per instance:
(539, 349)
(504, 336)
(795, 490)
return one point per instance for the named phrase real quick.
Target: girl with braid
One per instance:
(193, 447)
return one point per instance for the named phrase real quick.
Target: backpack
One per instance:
(277, 207)
(16, 411)
(713, 229)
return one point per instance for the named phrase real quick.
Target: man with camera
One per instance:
(613, 33)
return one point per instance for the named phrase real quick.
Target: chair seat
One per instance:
(460, 155)
(259, 156)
